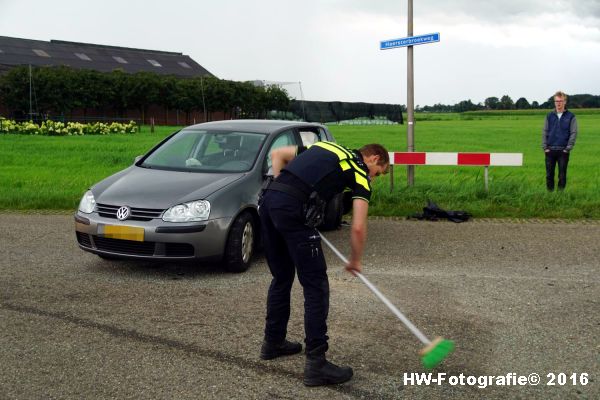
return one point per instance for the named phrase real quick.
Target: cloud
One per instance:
(508, 20)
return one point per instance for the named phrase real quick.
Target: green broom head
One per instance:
(436, 352)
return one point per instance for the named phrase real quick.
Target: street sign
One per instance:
(409, 41)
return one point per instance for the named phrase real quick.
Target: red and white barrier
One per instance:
(474, 159)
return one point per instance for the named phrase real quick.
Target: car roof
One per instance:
(252, 125)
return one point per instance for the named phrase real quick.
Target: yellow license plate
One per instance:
(121, 232)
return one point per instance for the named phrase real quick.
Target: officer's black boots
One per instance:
(270, 351)
(318, 371)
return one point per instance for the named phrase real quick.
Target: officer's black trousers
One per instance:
(290, 246)
(561, 158)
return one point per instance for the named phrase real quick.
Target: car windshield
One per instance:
(207, 151)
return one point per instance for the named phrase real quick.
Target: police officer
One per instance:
(290, 208)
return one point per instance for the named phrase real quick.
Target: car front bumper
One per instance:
(151, 240)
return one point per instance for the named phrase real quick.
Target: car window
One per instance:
(176, 152)
(308, 138)
(323, 135)
(312, 134)
(284, 139)
(207, 151)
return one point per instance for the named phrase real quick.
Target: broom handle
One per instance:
(381, 297)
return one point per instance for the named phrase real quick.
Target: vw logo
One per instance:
(123, 213)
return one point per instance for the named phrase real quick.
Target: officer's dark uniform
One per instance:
(290, 244)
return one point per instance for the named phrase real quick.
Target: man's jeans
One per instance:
(552, 158)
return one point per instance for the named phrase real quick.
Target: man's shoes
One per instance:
(269, 351)
(318, 371)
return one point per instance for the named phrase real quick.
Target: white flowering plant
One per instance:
(57, 128)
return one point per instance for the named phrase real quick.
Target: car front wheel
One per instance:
(240, 244)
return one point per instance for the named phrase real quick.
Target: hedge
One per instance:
(53, 128)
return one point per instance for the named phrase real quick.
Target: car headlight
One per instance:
(87, 203)
(193, 211)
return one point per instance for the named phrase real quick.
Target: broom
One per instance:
(434, 351)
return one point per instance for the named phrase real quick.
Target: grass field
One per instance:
(38, 172)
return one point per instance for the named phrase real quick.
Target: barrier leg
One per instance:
(485, 175)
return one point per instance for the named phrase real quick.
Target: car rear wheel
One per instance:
(240, 244)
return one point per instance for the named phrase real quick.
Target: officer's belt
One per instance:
(289, 189)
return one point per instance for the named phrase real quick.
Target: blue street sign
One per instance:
(409, 41)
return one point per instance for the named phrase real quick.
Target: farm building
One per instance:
(15, 51)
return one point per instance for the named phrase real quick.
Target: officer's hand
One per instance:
(354, 267)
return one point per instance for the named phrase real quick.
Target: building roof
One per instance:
(15, 51)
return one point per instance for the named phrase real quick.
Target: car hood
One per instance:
(159, 189)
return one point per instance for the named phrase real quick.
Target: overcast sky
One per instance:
(523, 48)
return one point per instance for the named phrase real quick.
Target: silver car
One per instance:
(193, 196)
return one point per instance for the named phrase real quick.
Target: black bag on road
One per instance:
(432, 212)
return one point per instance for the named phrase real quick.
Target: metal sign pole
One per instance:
(410, 99)
(410, 42)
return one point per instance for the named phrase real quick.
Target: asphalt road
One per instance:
(518, 298)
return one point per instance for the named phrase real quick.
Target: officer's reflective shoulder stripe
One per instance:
(341, 148)
(362, 181)
(345, 165)
(336, 149)
(357, 168)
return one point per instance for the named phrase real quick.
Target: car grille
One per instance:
(137, 214)
(124, 246)
(134, 248)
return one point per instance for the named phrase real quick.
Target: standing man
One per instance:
(558, 139)
(290, 208)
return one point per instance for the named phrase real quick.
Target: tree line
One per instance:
(57, 91)
(60, 90)
(506, 103)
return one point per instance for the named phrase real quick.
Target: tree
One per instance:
(465, 105)
(506, 103)
(181, 97)
(141, 91)
(118, 99)
(492, 103)
(14, 91)
(276, 98)
(91, 90)
(219, 95)
(548, 103)
(55, 89)
(583, 100)
(522, 104)
(62, 89)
